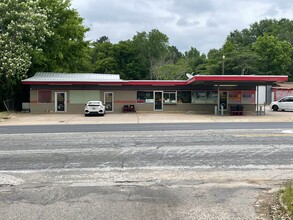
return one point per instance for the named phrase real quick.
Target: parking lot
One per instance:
(142, 117)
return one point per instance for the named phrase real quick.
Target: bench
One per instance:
(237, 110)
(130, 108)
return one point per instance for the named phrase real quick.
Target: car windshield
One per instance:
(94, 103)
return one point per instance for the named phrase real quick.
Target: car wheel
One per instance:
(275, 108)
(85, 115)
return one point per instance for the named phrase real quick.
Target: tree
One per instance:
(128, 64)
(238, 61)
(103, 39)
(23, 29)
(282, 29)
(275, 54)
(194, 60)
(153, 50)
(175, 71)
(65, 50)
(175, 54)
(212, 65)
(241, 62)
(101, 57)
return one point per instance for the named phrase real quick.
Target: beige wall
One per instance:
(42, 108)
(122, 98)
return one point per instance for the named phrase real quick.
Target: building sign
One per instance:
(248, 97)
(234, 97)
(204, 97)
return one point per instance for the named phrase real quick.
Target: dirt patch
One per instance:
(269, 207)
(4, 116)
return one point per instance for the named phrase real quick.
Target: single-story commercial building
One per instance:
(282, 89)
(68, 92)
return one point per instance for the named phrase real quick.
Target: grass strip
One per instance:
(287, 198)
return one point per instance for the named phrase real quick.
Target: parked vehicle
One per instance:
(284, 104)
(94, 108)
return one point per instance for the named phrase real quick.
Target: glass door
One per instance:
(158, 104)
(109, 98)
(223, 100)
(60, 101)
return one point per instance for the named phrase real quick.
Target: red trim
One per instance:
(125, 102)
(197, 78)
(237, 78)
(130, 83)
(156, 82)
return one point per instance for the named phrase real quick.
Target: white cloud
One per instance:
(203, 24)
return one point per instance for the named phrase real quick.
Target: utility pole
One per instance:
(223, 65)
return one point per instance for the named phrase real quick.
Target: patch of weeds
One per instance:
(287, 198)
(4, 115)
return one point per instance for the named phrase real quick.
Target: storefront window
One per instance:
(234, 97)
(145, 97)
(170, 98)
(248, 97)
(204, 97)
(44, 96)
(184, 96)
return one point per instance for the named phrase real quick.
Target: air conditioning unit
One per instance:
(25, 107)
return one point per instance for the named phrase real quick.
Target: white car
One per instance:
(284, 104)
(94, 108)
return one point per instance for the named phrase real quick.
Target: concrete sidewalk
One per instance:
(141, 117)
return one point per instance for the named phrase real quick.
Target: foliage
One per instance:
(23, 29)
(120, 58)
(148, 55)
(287, 198)
(275, 54)
(101, 57)
(212, 64)
(242, 62)
(194, 60)
(65, 50)
(153, 51)
(139, 58)
(39, 35)
(128, 65)
(174, 71)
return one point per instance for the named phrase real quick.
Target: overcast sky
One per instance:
(203, 24)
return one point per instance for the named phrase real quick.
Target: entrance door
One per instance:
(109, 98)
(60, 101)
(223, 100)
(158, 104)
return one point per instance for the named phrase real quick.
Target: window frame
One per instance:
(179, 94)
(143, 101)
(41, 98)
(169, 93)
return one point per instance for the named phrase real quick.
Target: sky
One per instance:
(201, 24)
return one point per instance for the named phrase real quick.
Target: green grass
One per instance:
(287, 197)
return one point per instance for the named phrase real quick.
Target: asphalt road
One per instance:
(140, 149)
(149, 173)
